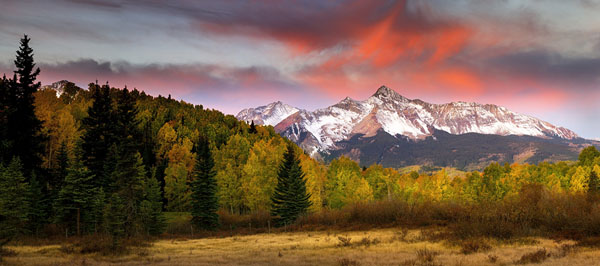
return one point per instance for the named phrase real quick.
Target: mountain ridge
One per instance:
(399, 116)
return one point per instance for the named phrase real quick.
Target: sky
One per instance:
(541, 58)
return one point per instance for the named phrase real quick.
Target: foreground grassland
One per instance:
(373, 247)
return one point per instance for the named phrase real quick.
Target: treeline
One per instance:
(110, 161)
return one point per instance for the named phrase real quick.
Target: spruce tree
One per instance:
(593, 186)
(38, 204)
(252, 128)
(59, 173)
(290, 199)
(114, 219)
(4, 114)
(24, 134)
(99, 133)
(13, 201)
(74, 207)
(151, 208)
(204, 189)
(129, 174)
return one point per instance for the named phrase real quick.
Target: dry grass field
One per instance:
(373, 247)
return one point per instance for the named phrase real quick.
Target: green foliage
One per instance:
(345, 183)
(177, 191)
(39, 204)
(260, 173)
(229, 163)
(13, 201)
(130, 176)
(588, 155)
(98, 136)
(290, 199)
(77, 202)
(153, 219)
(204, 189)
(114, 219)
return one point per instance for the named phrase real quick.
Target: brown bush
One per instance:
(474, 246)
(534, 257)
(344, 241)
(348, 262)
(426, 256)
(564, 250)
(259, 219)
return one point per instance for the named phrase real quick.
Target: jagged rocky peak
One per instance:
(386, 93)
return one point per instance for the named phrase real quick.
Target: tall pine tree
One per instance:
(4, 113)
(99, 133)
(24, 135)
(290, 199)
(204, 189)
(252, 129)
(129, 175)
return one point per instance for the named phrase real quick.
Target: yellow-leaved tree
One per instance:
(345, 183)
(580, 180)
(260, 173)
(315, 175)
(229, 164)
(178, 174)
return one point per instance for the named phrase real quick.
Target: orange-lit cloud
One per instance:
(235, 54)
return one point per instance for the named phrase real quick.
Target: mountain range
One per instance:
(395, 131)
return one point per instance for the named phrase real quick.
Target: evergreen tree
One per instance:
(60, 172)
(204, 189)
(38, 205)
(151, 208)
(25, 137)
(4, 114)
(252, 128)
(99, 133)
(126, 123)
(129, 176)
(13, 201)
(114, 219)
(290, 199)
(593, 186)
(75, 205)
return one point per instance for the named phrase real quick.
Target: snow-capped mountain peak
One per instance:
(397, 115)
(270, 114)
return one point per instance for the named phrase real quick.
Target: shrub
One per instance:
(474, 246)
(344, 241)
(492, 258)
(348, 262)
(534, 257)
(426, 256)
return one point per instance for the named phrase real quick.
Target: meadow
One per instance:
(391, 246)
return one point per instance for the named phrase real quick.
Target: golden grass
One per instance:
(373, 247)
